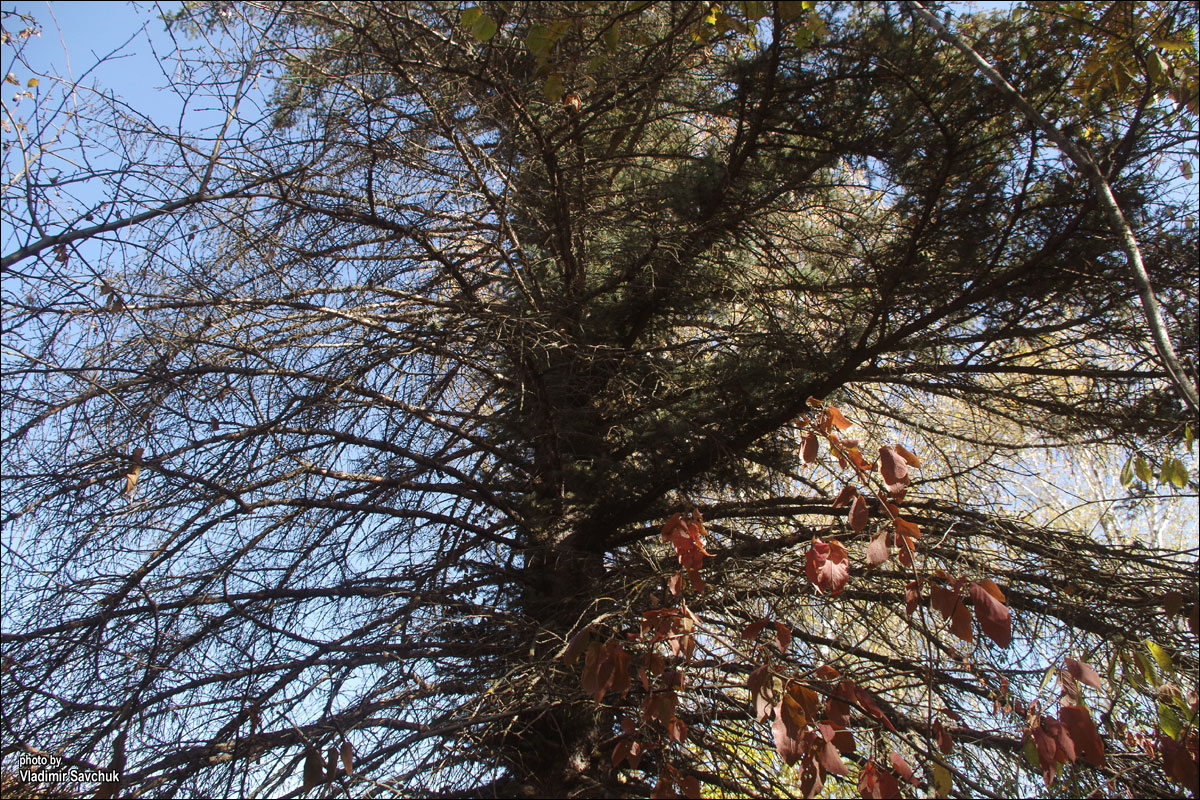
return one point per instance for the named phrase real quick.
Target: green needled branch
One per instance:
(1116, 219)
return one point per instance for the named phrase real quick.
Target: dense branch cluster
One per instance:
(345, 420)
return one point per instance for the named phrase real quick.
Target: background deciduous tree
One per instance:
(603, 399)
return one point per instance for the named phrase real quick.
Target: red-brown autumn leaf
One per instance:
(791, 711)
(992, 615)
(1053, 745)
(659, 706)
(691, 787)
(687, 536)
(908, 457)
(826, 672)
(762, 693)
(839, 737)
(668, 701)
(1088, 743)
(945, 743)
(856, 458)
(1045, 746)
(812, 778)
(681, 641)
(1172, 602)
(845, 496)
(314, 768)
(894, 469)
(755, 628)
(1070, 687)
(1064, 744)
(620, 659)
(839, 421)
(577, 644)
(783, 636)
(907, 529)
(949, 603)
(664, 789)
(912, 596)
(689, 556)
(673, 678)
(606, 667)
(789, 747)
(837, 707)
(902, 768)
(858, 513)
(675, 584)
(604, 673)
(656, 622)
(992, 589)
(827, 566)
(676, 729)
(829, 759)
(841, 459)
(674, 524)
(810, 448)
(878, 550)
(960, 625)
(591, 667)
(695, 529)
(890, 509)
(1084, 673)
(1180, 761)
(810, 701)
(696, 581)
(876, 782)
(870, 705)
(622, 751)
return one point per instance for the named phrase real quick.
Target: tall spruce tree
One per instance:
(606, 399)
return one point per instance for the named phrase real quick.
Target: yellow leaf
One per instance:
(1143, 471)
(1170, 45)
(728, 23)
(131, 479)
(943, 782)
(753, 9)
(32, 82)
(1161, 656)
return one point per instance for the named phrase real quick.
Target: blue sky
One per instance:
(125, 37)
